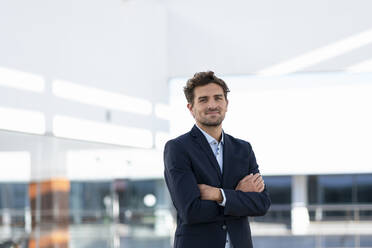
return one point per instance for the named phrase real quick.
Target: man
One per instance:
(212, 177)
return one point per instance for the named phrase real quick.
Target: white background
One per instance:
(297, 124)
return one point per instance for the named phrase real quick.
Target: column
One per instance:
(49, 191)
(299, 213)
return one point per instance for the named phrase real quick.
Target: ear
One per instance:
(227, 104)
(189, 106)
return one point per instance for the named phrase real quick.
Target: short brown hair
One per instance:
(200, 79)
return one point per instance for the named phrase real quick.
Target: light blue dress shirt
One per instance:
(217, 148)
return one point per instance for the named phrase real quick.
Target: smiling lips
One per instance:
(212, 112)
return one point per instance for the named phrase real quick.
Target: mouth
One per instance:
(212, 112)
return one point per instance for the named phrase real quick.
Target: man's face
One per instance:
(209, 106)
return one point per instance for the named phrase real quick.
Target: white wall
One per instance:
(117, 45)
(300, 124)
(27, 157)
(133, 47)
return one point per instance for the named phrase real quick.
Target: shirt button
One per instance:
(224, 227)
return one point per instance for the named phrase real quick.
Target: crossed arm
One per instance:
(197, 203)
(250, 183)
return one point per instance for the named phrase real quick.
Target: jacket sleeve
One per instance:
(239, 203)
(184, 189)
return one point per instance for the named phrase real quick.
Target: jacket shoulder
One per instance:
(238, 142)
(180, 140)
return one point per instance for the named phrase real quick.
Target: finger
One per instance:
(263, 184)
(238, 184)
(259, 180)
(247, 178)
(261, 188)
(257, 177)
(257, 185)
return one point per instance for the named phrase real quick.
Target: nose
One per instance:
(212, 104)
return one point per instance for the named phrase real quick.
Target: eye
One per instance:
(202, 100)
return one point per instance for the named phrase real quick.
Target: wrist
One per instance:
(219, 197)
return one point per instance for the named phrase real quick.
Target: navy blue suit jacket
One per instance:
(189, 161)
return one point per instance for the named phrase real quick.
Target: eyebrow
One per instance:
(204, 97)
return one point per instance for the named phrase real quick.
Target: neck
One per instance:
(214, 131)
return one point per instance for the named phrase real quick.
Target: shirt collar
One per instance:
(209, 138)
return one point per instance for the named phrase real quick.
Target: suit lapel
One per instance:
(202, 141)
(227, 162)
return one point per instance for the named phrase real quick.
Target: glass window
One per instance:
(20, 196)
(364, 187)
(139, 199)
(87, 201)
(313, 190)
(133, 193)
(14, 195)
(94, 193)
(279, 188)
(335, 189)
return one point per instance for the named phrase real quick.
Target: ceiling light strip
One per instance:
(318, 55)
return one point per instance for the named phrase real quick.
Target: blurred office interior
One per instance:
(90, 91)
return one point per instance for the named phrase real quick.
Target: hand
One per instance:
(210, 193)
(251, 183)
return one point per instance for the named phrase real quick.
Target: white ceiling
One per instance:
(135, 46)
(242, 37)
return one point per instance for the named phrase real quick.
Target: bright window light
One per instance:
(149, 200)
(181, 120)
(79, 129)
(16, 166)
(162, 111)
(365, 66)
(160, 139)
(297, 124)
(21, 80)
(95, 165)
(115, 163)
(102, 98)
(319, 55)
(22, 120)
